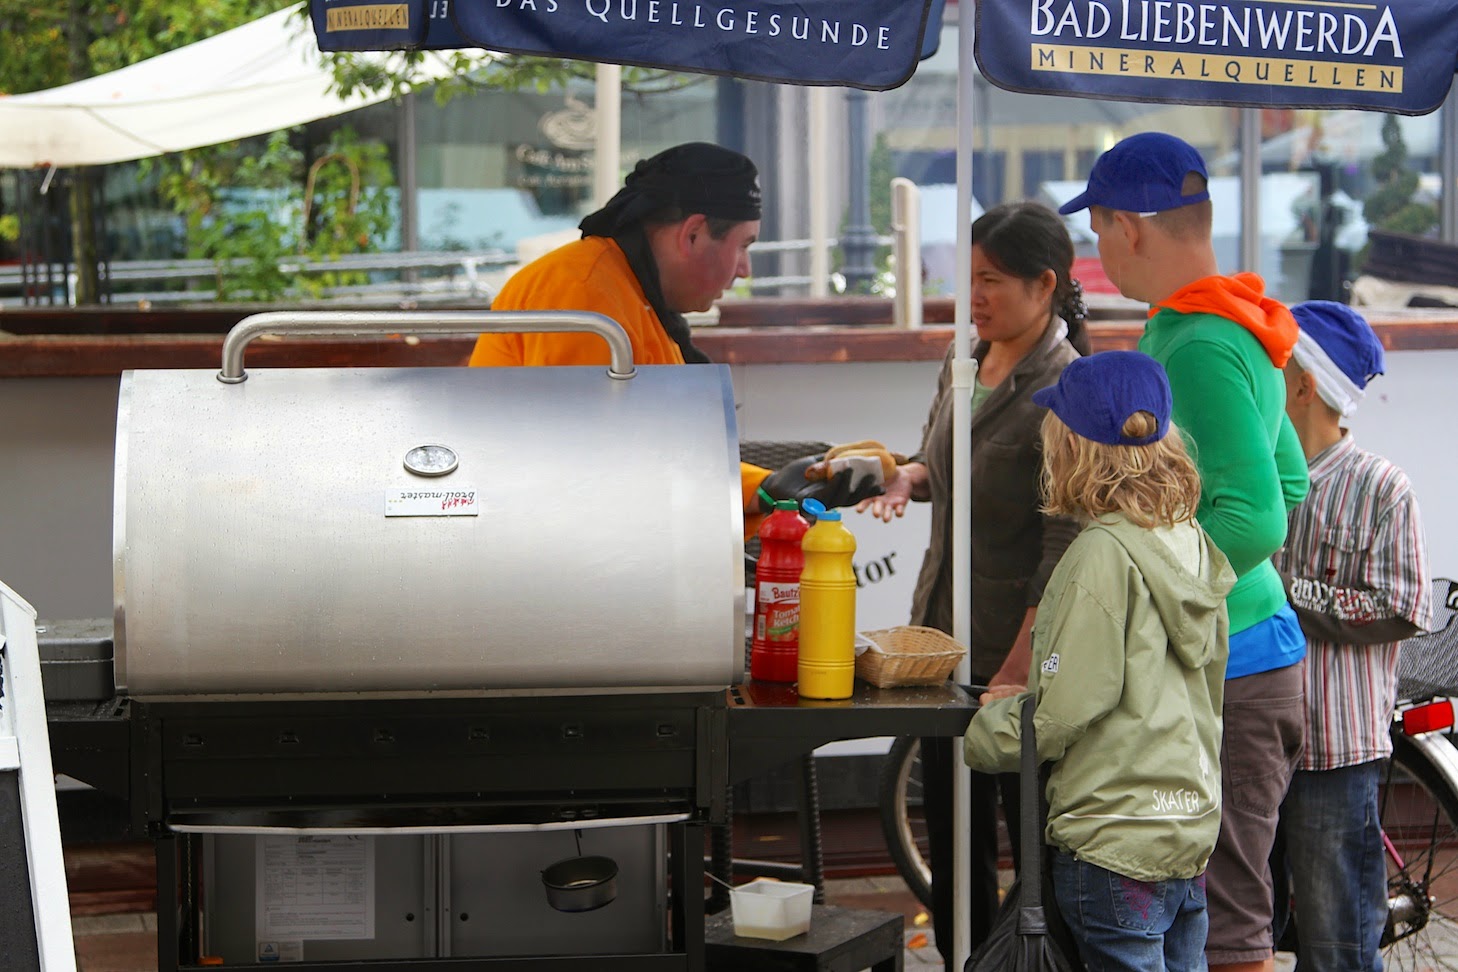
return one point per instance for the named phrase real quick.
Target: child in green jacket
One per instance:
(1129, 652)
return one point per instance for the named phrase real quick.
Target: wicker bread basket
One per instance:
(907, 655)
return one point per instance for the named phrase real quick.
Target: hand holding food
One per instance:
(840, 457)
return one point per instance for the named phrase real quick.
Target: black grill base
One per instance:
(363, 764)
(437, 762)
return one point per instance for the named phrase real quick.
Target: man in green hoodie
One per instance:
(1223, 344)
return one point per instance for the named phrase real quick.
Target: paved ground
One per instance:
(119, 940)
(116, 943)
(891, 894)
(127, 942)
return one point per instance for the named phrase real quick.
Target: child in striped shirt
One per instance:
(1356, 572)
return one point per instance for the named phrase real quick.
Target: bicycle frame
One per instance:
(1426, 725)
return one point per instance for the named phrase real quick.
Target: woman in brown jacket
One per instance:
(1028, 312)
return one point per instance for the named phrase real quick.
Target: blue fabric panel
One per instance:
(1394, 56)
(873, 44)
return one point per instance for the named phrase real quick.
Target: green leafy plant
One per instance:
(454, 72)
(450, 73)
(236, 209)
(880, 171)
(346, 207)
(46, 45)
(253, 214)
(1392, 205)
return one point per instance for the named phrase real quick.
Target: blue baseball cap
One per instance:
(1143, 174)
(1096, 395)
(1345, 336)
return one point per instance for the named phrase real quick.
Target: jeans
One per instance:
(1124, 925)
(1333, 842)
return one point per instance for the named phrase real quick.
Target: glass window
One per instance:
(1041, 166)
(1040, 147)
(1335, 184)
(498, 167)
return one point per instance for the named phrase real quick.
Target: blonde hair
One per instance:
(1151, 485)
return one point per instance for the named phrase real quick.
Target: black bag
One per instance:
(1029, 934)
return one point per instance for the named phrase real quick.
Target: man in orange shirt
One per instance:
(670, 242)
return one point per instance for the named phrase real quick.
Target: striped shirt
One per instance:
(1355, 551)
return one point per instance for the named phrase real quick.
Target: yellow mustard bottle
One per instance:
(827, 668)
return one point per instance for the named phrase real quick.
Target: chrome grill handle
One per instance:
(327, 323)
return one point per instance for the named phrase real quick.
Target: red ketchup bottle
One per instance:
(774, 653)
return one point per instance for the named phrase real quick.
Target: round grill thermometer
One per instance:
(430, 460)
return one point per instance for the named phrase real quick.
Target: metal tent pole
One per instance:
(1448, 166)
(964, 375)
(609, 114)
(1250, 190)
(859, 244)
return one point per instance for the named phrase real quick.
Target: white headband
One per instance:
(1332, 384)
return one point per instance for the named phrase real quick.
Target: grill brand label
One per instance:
(432, 502)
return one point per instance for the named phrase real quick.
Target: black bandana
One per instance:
(696, 177)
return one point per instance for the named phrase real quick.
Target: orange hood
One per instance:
(1241, 298)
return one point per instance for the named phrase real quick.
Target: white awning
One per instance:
(258, 78)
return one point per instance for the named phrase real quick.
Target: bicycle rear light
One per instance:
(1428, 717)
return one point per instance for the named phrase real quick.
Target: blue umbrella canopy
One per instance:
(1396, 57)
(872, 44)
(1252, 53)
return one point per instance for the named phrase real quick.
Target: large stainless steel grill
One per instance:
(428, 605)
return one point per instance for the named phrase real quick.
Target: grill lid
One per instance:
(427, 529)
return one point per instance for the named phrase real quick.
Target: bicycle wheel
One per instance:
(902, 821)
(1419, 813)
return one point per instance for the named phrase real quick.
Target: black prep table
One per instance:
(769, 724)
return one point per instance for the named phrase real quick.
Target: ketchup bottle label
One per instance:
(780, 617)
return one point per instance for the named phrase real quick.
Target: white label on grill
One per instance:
(311, 887)
(462, 501)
